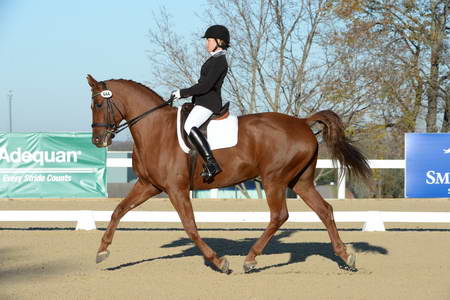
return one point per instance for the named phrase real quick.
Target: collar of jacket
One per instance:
(218, 53)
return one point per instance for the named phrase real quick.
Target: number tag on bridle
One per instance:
(106, 94)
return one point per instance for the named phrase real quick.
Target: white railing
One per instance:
(373, 220)
(321, 164)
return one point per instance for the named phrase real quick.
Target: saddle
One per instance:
(186, 109)
(218, 139)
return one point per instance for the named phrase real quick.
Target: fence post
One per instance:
(374, 222)
(85, 220)
(342, 176)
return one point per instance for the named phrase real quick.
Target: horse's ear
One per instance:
(92, 82)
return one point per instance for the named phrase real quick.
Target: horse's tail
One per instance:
(340, 146)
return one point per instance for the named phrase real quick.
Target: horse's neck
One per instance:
(154, 133)
(152, 127)
(135, 99)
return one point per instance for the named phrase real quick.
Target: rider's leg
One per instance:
(212, 168)
(196, 118)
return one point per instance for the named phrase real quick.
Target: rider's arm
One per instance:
(218, 66)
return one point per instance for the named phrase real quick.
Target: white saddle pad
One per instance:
(221, 133)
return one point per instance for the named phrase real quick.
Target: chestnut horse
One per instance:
(281, 149)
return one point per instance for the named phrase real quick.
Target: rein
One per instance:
(110, 114)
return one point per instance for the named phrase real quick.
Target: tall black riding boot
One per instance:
(211, 167)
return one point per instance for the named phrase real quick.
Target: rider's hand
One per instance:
(176, 94)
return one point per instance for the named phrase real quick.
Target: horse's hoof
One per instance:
(350, 264)
(224, 266)
(101, 256)
(249, 266)
(351, 260)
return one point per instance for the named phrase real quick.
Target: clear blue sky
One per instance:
(48, 46)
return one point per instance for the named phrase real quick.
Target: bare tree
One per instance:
(277, 62)
(409, 40)
(175, 59)
(437, 33)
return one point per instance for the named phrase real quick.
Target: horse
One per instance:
(281, 149)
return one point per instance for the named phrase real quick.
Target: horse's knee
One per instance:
(280, 219)
(284, 216)
(118, 212)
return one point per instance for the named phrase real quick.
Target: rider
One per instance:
(206, 95)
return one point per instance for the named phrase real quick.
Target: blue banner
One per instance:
(427, 170)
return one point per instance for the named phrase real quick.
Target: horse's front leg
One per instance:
(140, 193)
(182, 203)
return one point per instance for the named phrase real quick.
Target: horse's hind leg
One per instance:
(276, 199)
(138, 195)
(182, 203)
(306, 190)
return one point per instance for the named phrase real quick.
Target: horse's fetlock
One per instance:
(340, 249)
(254, 252)
(211, 256)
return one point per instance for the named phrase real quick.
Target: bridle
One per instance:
(111, 127)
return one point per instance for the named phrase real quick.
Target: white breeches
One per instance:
(197, 117)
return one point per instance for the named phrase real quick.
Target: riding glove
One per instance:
(176, 94)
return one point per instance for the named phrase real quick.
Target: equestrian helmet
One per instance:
(218, 32)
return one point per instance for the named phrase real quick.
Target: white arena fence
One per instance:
(372, 220)
(321, 164)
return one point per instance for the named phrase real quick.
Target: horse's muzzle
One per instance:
(102, 140)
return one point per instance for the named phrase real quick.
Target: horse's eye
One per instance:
(98, 105)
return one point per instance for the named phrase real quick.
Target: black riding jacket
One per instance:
(207, 91)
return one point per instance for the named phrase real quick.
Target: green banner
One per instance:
(51, 165)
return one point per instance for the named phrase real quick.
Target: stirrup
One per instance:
(210, 169)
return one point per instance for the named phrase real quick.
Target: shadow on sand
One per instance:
(298, 252)
(15, 268)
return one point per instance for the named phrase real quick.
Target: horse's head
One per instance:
(105, 114)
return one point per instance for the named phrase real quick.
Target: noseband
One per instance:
(111, 127)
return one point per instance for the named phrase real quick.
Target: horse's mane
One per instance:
(139, 84)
